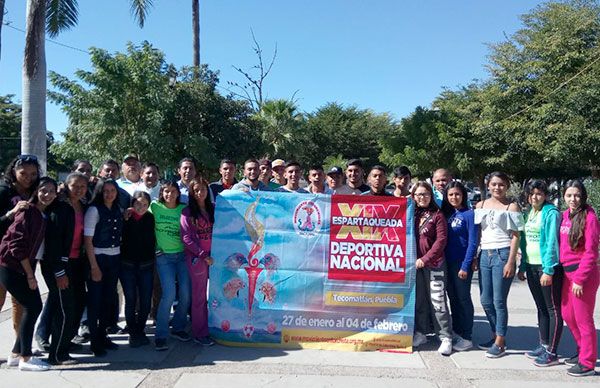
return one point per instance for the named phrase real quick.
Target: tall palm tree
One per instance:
(196, 35)
(52, 16)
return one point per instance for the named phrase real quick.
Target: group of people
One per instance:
(154, 236)
(558, 258)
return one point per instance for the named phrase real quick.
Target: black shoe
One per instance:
(62, 361)
(144, 340)
(571, 361)
(135, 341)
(579, 370)
(42, 343)
(124, 330)
(114, 329)
(99, 352)
(181, 336)
(75, 347)
(109, 345)
(160, 344)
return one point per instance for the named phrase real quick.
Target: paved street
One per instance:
(189, 365)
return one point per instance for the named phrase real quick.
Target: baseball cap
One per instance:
(131, 156)
(335, 170)
(277, 163)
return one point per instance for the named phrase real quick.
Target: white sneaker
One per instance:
(462, 344)
(11, 361)
(419, 339)
(445, 348)
(33, 365)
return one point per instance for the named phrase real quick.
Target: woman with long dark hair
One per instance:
(170, 265)
(197, 221)
(19, 250)
(461, 248)
(501, 222)
(21, 177)
(579, 234)
(103, 225)
(137, 267)
(431, 277)
(539, 264)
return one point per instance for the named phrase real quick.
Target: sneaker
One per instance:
(160, 344)
(462, 344)
(12, 361)
(204, 341)
(124, 330)
(109, 345)
(33, 365)
(75, 348)
(573, 360)
(495, 351)
(181, 336)
(546, 359)
(419, 339)
(579, 370)
(445, 348)
(81, 339)
(486, 345)
(535, 353)
(114, 329)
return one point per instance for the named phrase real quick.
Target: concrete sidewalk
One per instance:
(189, 365)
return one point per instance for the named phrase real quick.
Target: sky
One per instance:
(385, 55)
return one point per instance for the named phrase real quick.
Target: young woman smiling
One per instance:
(539, 264)
(431, 277)
(196, 230)
(103, 225)
(171, 266)
(19, 249)
(579, 234)
(463, 237)
(501, 223)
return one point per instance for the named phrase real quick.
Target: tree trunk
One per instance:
(33, 125)
(196, 37)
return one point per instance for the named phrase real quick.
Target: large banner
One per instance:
(308, 270)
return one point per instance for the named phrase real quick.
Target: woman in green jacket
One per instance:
(541, 268)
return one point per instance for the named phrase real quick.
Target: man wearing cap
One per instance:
(130, 179)
(335, 179)
(227, 170)
(293, 173)
(278, 167)
(354, 179)
(377, 180)
(316, 177)
(251, 181)
(266, 172)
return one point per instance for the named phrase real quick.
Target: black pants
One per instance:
(77, 272)
(547, 300)
(100, 299)
(461, 304)
(60, 307)
(31, 302)
(431, 307)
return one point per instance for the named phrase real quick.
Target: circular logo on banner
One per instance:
(307, 219)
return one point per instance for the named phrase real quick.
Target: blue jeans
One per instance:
(100, 297)
(494, 288)
(137, 287)
(172, 267)
(459, 294)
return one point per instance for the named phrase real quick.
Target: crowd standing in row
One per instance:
(155, 238)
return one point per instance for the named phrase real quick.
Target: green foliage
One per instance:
(281, 124)
(134, 103)
(593, 189)
(347, 131)
(10, 130)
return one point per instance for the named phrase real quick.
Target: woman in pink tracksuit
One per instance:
(579, 233)
(196, 231)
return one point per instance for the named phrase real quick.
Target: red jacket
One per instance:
(23, 239)
(432, 232)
